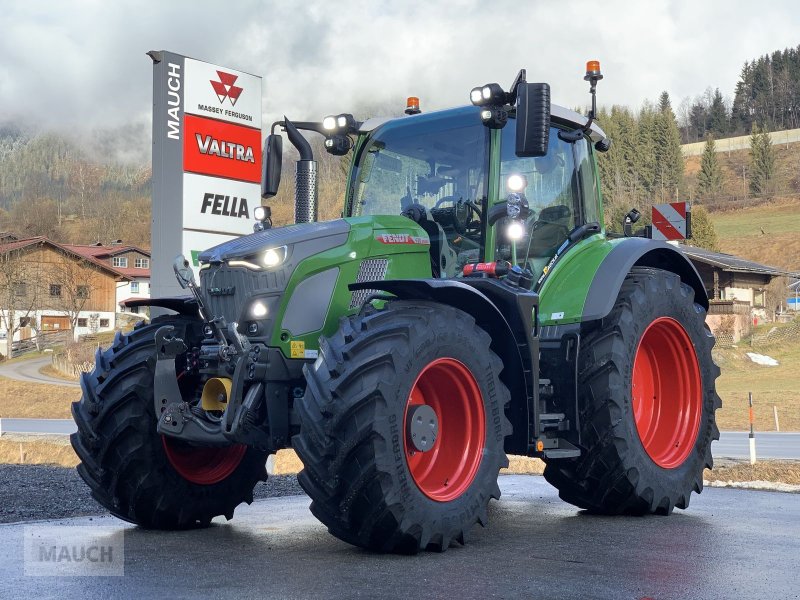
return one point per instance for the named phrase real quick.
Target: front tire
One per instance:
(369, 482)
(134, 472)
(646, 384)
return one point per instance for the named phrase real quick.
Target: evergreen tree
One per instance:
(709, 180)
(646, 161)
(718, 123)
(664, 103)
(703, 233)
(669, 166)
(762, 162)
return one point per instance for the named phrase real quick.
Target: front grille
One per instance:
(244, 283)
(373, 269)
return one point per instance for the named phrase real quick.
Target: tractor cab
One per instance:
(453, 175)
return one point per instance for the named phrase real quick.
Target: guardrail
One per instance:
(38, 426)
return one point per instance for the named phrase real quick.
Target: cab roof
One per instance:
(559, 114)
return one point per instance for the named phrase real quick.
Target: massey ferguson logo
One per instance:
(225, 88)
(208, 145)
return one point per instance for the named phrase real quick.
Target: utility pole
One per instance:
(744, 181)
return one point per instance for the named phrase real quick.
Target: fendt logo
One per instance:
(225, 88)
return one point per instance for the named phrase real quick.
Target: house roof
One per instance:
(728, 262)
(105, 251)
(133, 271)
(69, 249)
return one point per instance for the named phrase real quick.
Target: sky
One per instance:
(81, 66)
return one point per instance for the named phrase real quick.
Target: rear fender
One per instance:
(638, 252)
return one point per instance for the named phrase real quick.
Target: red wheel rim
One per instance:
(446, 471)
(667, 393)
(203, 465)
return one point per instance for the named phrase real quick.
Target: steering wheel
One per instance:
(462, 216)
(441, 201)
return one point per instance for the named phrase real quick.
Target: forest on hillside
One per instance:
(51, 185)
(767, 95)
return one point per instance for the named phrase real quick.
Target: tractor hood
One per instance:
(245, 247)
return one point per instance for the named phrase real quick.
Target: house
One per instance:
(47, 286)
(793, 301)
(131, 261)
(727, 277)
(737, 290)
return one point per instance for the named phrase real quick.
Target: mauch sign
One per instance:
(206, 160)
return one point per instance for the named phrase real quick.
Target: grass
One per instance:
(22, 400)
(771, 386)
(51, 371)
(49, 450)
(740, 233)
(774, 471)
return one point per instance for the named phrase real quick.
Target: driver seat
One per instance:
(419, 214)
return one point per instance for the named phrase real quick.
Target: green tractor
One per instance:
(468, 305)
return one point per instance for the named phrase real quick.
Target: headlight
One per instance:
(329, 123)
(515, 230)
(516, 183)
(269, 259)
(274, 257)
(259, 309)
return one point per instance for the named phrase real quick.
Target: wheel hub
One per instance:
(445, 425)
(667, 393)
(423, 427)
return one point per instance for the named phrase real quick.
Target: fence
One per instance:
(729, 307)
(742, 142)
(46, 340)
(777, 335)
(76, 358)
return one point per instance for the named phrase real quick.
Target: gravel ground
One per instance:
(34, 492)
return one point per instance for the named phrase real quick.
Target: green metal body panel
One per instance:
(405, 261)
(564, 291)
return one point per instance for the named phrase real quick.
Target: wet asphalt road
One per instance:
(729, 544)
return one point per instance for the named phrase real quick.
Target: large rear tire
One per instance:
(369, 482)
(646, 384)
(132, 471)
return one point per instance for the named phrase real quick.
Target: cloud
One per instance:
(82, 65)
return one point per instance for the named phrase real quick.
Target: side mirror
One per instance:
(533, 119)
(271, 165)
(183, 272)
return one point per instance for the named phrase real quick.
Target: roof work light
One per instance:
(344, 123)
(412, 106)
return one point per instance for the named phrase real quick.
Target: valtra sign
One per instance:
(206, 159)
(221, 149)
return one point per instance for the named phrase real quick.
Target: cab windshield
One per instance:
(435, 160)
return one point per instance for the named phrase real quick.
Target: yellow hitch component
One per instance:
(216, 392)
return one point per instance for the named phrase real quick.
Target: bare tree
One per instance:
(73, 283)
(20, 293)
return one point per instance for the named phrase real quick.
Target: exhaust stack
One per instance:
(305, 194)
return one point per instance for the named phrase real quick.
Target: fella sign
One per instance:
(206, 160)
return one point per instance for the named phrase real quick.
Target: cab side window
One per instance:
(552, 196)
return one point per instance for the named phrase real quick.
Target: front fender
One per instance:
(509, 318)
